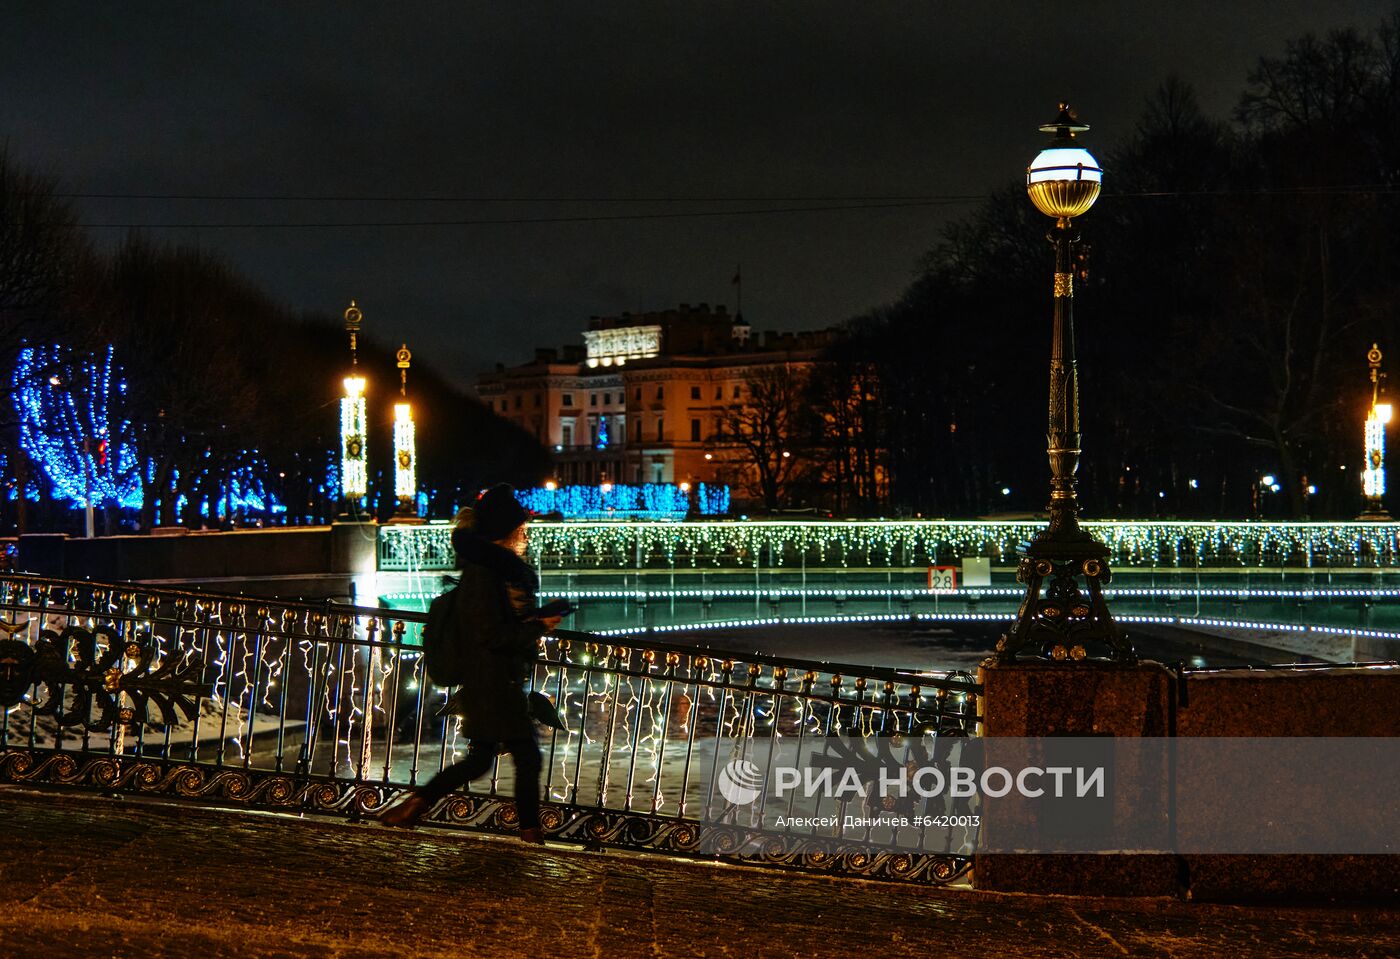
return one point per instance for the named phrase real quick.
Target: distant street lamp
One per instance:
(1373, 475)
(1063, 182)
(354, 470)
(405, 444)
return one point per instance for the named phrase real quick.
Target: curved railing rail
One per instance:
(326, 708)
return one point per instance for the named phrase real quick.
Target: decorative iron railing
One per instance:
(839, 544)
(326, 708)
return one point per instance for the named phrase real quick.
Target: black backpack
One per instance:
(442, 644)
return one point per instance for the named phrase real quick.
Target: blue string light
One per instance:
(68, 425)
(73, 423)
(664, 501)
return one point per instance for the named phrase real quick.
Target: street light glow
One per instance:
(405, 456)
(1072, 163)
(1373, 467)
(353, 471)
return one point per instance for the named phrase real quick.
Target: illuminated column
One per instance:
(1373, 472)
(405, 448)
(354, 470)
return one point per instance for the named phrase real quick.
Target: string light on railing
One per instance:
(909, 543)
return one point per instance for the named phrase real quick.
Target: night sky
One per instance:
(522, 107)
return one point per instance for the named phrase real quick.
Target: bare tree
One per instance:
(763, 439)
(42, 253)
(845, 396)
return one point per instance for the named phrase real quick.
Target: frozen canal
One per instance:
(932, 647)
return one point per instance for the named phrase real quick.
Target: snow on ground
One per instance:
(928, 647)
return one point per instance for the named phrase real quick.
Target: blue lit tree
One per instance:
(73, 424)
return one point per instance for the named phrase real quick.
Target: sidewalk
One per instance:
(83, 876)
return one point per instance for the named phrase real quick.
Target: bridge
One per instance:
(1337, 581)
(325, 708)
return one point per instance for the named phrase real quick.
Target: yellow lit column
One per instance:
(354, 471)
(405, 446)
(1373, 474)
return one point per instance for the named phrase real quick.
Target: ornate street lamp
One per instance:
(405, 443)
(1058, 618)
(354, 470)
(1373, 474)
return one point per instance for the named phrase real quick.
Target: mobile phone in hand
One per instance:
(558, 607)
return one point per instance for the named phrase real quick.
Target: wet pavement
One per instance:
(84, 876)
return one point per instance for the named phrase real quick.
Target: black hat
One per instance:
(498, 513)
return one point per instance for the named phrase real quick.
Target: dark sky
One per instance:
(751, 101)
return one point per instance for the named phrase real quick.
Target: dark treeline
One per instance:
(1230, 280)
(220, 381)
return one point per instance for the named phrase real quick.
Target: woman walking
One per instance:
(499, 627)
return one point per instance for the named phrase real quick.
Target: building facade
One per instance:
(643, 400)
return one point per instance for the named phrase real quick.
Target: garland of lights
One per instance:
(619, 500)
(885, 544)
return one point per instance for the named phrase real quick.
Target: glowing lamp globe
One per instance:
(1064, 179)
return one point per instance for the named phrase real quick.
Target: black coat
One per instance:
(501, 649)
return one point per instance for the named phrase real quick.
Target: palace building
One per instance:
(640, 401)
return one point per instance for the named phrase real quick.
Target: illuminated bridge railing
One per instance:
(326, 709)
(907, 544)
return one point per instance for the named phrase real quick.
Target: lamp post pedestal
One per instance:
(1375, 513)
